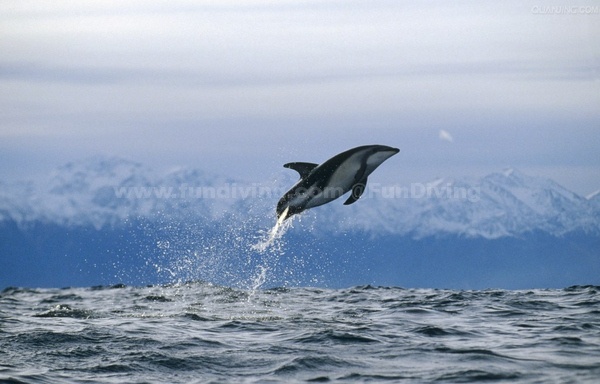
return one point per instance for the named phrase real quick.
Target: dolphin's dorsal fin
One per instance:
(302, 168)
(357, 191)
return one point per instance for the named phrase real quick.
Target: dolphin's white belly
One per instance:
(343, 177)
(340, 182)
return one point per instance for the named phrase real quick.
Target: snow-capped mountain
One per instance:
(594, 198)
(107, 191)
(78, 193)
(507, 203)
(108, 220)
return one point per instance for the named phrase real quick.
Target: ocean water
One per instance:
(201, 333)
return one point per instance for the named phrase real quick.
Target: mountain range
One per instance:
(104, 192)
(117, 215)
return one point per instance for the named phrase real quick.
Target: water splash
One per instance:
(258, 281)
(276, 233)
(237, 253)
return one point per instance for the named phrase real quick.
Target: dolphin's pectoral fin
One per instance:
(357, 191)
(302, 168)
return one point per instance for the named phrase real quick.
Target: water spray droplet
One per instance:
(273, 235)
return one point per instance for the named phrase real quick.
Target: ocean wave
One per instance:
(199, 332)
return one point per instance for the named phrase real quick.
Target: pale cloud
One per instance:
(445, 136)
(218, 80)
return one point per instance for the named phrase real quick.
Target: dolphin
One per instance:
(322, 183)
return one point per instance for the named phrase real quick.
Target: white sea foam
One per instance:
(270, 239)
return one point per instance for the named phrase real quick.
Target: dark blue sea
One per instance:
(201, 333)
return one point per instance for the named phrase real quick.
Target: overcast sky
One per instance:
(241, 87)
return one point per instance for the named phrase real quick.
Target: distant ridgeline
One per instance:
(107, 220)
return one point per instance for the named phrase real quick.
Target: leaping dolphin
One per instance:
(321, 184)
